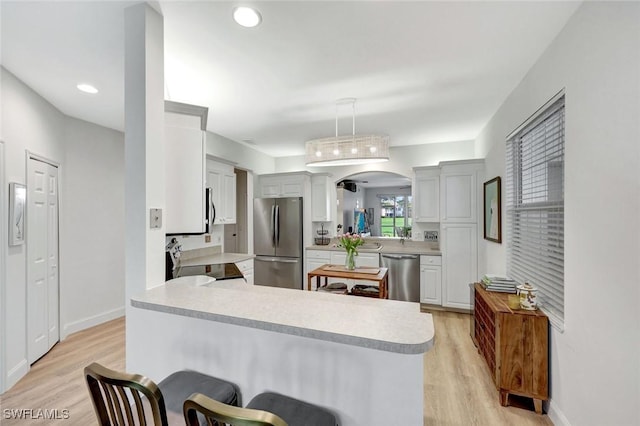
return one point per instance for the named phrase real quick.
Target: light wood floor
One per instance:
(457, 387)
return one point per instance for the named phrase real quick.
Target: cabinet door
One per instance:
(215, 181)
(431, 285)
(184, 171)
(427, 201)
(458, 197)
(311, 265)
(292, 188)
(320, 205)
(459, 263)
(229, 193)
(269, 187)
(246, 267)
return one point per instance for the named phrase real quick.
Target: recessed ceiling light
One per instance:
(246, 16)
(87, 88)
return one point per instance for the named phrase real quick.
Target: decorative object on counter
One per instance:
(528, 297)
(324, 236)
(513, 300)
(492, 211)
(349, 149)
(17, 200)
(351, 242)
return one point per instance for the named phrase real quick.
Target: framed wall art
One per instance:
(17, 207)
(492, 211)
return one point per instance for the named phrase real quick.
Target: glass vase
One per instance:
(350, 261)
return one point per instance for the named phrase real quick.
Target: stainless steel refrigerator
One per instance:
(277, 242)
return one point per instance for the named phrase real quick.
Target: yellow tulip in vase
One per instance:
(351, 242)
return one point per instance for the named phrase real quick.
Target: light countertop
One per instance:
(386, 325)
(215, 259)
(393, 246)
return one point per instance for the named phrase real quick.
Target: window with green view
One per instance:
(395, 215)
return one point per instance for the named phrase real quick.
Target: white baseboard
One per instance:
(91, 321)
(16, 373)
(556, 416)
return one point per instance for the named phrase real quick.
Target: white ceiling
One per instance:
(422, 72)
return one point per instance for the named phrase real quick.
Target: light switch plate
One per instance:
(155, 218)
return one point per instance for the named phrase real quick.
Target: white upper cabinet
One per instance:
(459, 191)
(221, 178)
(284, 185)
(426, 199)
(185, 168)
(321, 210)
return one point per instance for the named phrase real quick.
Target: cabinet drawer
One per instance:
(430, 260)
(319, 255)
(245, 265)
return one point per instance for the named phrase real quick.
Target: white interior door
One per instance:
(42, 258)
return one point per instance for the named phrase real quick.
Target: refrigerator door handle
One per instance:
(273, 227)
(277, 225)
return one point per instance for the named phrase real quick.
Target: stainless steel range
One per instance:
(222, 271)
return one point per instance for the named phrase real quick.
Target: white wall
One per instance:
(29, 123)
(91, 192)
(92, 226)
(244, 157)
(595, 362)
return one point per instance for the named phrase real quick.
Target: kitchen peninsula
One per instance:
(361, 358)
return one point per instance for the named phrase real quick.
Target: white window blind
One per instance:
(535, 208)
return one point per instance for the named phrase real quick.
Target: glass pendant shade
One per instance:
(349, 149)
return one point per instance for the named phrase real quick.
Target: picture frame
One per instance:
(493, 210)
(17, 208)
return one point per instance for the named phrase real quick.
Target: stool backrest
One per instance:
(124, 399)
(216, 412)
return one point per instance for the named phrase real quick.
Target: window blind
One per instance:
(535, 208)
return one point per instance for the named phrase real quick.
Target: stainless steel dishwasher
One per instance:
(404, 276)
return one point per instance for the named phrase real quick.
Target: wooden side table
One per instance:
(336, 271)
(514, 344)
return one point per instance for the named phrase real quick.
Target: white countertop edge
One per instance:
(216, 259)
(400, 348)
(383, 250)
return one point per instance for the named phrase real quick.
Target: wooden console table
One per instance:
(382, 277)
(515, 345)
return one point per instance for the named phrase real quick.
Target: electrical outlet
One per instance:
(155, 218)
(431, 236)
(207, 238)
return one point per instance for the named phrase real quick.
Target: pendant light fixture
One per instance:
(348, 149)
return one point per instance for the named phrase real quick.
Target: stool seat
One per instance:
(177, 387)
(293, 411)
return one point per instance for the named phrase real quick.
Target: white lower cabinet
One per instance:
(459, 245)
(246, 267)
(431, 280)
(315, 259)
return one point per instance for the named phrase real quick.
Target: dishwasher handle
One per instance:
(400, 256)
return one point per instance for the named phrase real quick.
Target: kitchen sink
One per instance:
(371, 246)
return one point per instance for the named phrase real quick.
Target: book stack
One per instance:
(500, 284)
